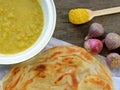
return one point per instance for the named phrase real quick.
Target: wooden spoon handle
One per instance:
(106, 11)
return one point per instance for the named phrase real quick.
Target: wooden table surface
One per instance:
(75, 34)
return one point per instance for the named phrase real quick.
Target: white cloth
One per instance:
(56, 42)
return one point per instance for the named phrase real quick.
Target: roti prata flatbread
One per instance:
(60, 68)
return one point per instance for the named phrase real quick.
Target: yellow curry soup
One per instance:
(21, 23)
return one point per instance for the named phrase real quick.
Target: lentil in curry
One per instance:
(21, 23)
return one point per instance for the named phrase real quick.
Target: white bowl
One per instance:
(48, 29)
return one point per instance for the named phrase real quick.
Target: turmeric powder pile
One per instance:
(78, 16)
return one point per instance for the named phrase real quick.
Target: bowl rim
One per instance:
(35, 49)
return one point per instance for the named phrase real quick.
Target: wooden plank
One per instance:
(75, 34)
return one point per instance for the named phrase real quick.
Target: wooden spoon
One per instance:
(103, 12)
(82, 15)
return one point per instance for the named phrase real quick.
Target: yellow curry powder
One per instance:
(21, 23)
(78, 16)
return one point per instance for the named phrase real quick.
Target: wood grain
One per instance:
(75, 34)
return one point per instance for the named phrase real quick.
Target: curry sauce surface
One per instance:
(21, 23)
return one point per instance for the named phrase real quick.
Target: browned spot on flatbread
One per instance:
(42, 76)
(46, 59)
(81, 51)
(15, 70)
(68, 60)
(58, 63)
(58, 67)
(65, 89)
(95, 79)
(55, 54)
(40, 71)
(40, 68)
(71, 50)
(12, 84)
(59, 79)
(107, 87)
(74, 81)
(25, 85)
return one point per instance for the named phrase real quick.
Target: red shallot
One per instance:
(94, 46)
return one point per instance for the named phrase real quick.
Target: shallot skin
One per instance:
(113, 60)
(112, 41)
(93, 46)
(95, 30)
